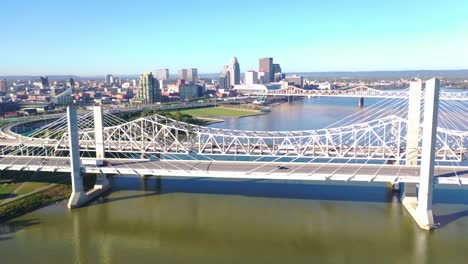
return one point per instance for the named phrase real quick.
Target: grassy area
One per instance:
(6, 189)
(31, 186)
(34, 201)
(219, 111)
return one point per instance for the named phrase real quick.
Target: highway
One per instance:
(245, 170)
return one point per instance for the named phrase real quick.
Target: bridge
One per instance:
(360, 91)
(380, 147)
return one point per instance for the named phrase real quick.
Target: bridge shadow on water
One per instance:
(251, 188)
(319, 191)
(444, 220)
(14, 226)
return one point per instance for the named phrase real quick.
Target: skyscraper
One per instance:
(45, 82)
(182, 74)
(225, 78)
(266, 65)
(192, 75)
(162, 74)
(149, 92)
(109, 79)
(234, 70)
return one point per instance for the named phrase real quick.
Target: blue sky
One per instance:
(85, 37)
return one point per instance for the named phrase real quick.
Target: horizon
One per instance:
(243, 72)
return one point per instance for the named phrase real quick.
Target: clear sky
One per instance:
(94, 37)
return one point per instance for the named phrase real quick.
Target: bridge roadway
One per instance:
(246, 170)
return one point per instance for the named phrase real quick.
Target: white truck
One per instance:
(94, 162)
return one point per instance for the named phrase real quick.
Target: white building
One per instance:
(251, 77)
(256, 88)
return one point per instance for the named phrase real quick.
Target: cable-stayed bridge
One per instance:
(384, 143)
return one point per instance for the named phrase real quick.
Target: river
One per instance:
(200, 220)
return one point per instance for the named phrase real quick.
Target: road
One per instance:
(246, 170)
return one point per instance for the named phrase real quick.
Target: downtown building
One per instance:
(188, 75)
(148, 92)
(251, 77)
(162, 74)
(266, 65)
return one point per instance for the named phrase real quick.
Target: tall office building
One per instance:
(149, 92)
(192, 75)
(234, 70)
(182, 74)
(266, 65)
(109, 79)
(277, 73)
(225, 78)
(251, 77)
(162, 74)
(45, 82)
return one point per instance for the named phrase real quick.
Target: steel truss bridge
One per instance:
(360, 91)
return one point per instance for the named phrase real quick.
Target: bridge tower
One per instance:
(102, 183)
(78, 195)
(420, 208)
(412, 140)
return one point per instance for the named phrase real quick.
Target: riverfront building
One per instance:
(187, 91)
(256, 88)
(251, 77)
(295, 80)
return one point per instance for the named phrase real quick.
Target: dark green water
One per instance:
(190, 220)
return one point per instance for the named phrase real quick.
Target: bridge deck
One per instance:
(247, 170)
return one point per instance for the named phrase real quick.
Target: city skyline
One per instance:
(313, 36)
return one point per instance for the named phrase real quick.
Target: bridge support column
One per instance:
(421, 209)
(78, 196)
(412, 140)
(102, 183)
(361, 102)
(98, 131)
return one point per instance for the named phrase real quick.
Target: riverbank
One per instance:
(34, 201)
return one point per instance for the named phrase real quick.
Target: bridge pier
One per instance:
(420, 205)
(361, 102)
(79, 197)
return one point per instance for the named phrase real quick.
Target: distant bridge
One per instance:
(359, 92)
